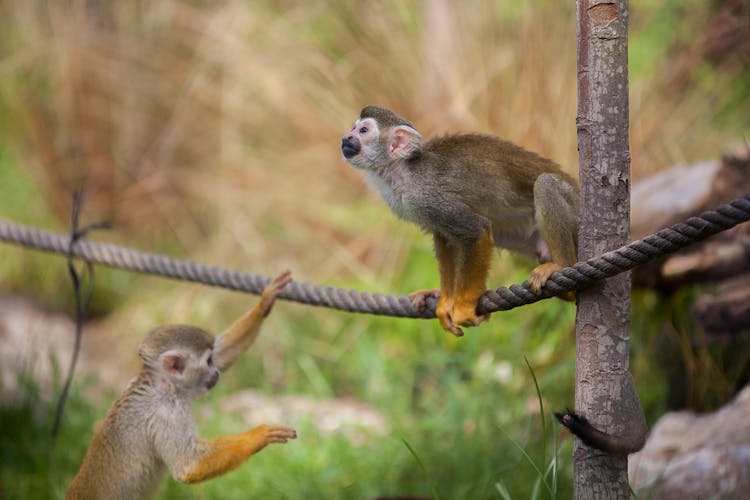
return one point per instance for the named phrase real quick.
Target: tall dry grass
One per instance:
(180, 116)
(218, 122)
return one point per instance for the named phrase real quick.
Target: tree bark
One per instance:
(605, 393)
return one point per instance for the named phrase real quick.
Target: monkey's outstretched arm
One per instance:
(236, 339)
(224, 454)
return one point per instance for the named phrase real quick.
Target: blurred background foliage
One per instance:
(210, 131)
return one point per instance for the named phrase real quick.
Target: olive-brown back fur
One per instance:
(485, 154)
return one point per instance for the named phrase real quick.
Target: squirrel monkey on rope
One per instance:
(472, 192)
(150, 427)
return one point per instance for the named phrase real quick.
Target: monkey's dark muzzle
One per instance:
(213, 378)
(350, 147)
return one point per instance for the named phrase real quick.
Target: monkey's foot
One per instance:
(465, 306)
(541, 274)
(419, 298)
(448, 325)
(466, 314)
(444, 312)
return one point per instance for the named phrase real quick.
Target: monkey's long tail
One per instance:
(576, 277)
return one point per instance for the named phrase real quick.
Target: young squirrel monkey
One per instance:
(151, 424)
(472, 192)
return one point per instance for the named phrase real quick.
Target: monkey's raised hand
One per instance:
(234, 341)
(272, 291)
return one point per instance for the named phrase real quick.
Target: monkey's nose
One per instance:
(212, 380)
(350, 147)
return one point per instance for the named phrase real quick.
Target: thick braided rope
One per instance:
(160, 265)
(576, 277)
(625, 258)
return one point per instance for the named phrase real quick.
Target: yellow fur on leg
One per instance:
(446, 255)
(471, 281)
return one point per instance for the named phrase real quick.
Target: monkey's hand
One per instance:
(541, 274)
(240, 335)
(263, 435)
(272, 291)
(419, 298)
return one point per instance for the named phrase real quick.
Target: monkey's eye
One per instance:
(363, 130)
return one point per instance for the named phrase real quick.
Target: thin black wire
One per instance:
(82, 297)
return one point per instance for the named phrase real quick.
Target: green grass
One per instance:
(459, 446)
(468, 418)
(463, 414)
(34, 464)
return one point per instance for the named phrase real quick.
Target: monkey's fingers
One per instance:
(464, 311)
(449, 326)
(541, 274)
(280, 438)
(444, 313)
(474, 320)
(276, 286)
(455, 330)
(284, 432)
(273, 290)
(273, 440)
(467, 316)
(278, 434)
(419, 298)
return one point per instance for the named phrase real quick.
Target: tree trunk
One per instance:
(605, 393)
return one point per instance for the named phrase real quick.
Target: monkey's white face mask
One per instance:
(366, 146)
(188, 373)
(360, 146)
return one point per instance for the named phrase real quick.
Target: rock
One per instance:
(688, 455)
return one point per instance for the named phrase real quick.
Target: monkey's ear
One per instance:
(173, 362)
(404, 142)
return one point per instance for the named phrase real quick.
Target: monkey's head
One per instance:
(181, 356)
(378, 138)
